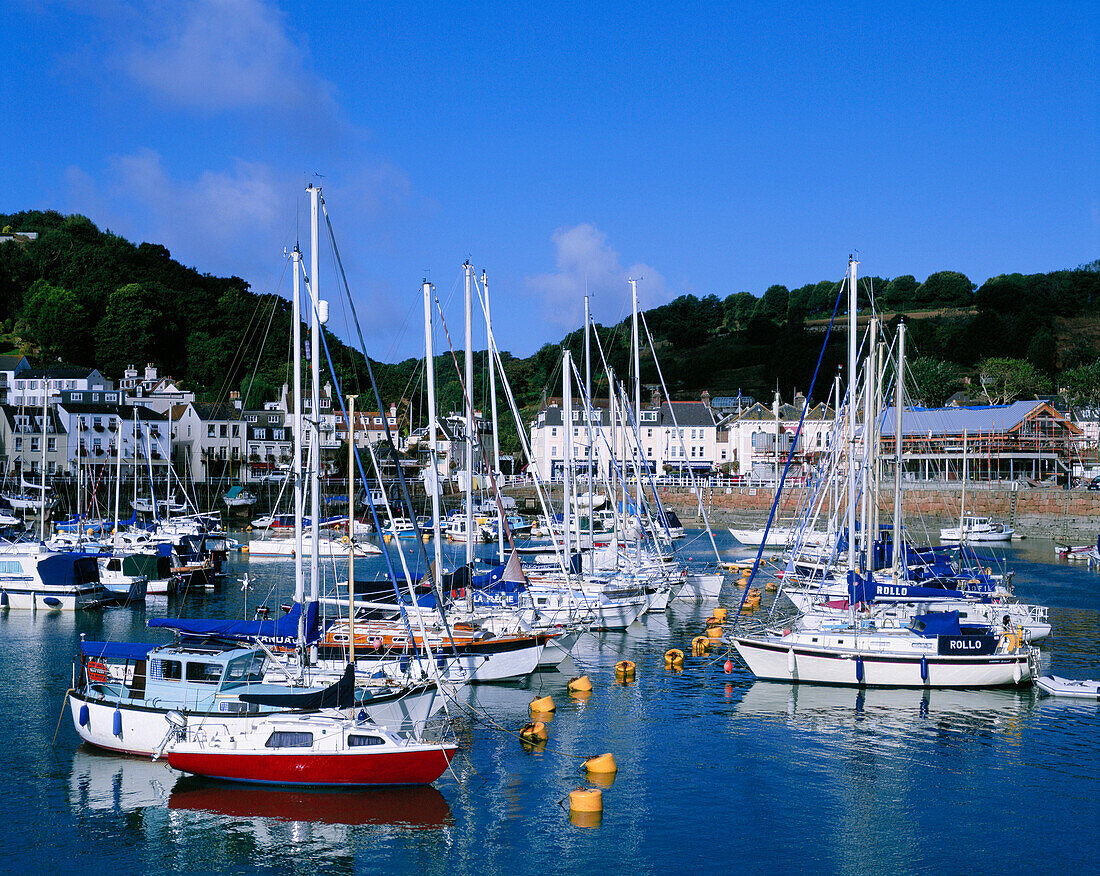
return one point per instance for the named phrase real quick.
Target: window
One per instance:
(223, 430)
(356, 741)
(236, 430)
(34, 445)
(289, 739)
(210, 430)
(247, 668)
(18, 443)
(553, 431)
(204, 673)
(167, 670)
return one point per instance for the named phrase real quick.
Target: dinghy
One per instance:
(1057, 686)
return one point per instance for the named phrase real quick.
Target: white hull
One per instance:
(778, 537)
(143, 729)
(701, 587)
(773, 660)
(1068, 687)
(952, 534)
(331, 548)
(50, 599)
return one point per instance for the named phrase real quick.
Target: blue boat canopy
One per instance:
(117, 650)
(936, 623)
(233, 492)
(280, 631)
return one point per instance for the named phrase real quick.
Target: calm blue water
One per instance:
(717, 773)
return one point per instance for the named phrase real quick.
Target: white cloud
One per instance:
(217, 55)
(587, 262)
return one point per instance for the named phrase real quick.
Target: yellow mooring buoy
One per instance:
(674, 659)
(579, 684)
(603, 764)
(586, 807)
(699, 646)
(624, 670)
(534, 732)
(543, 704)
(719, 614)
(714, 632)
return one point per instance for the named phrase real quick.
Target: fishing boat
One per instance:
(319, 749)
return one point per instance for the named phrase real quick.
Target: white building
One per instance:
(29, 387)
(96, 420)
(759, 438)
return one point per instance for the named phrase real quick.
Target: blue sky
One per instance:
(711, 148)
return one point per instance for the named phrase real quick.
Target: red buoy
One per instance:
(728, 667)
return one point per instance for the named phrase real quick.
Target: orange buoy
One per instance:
(580, 683)
(624, 670)
(603, 763)
(534, 732)
(543, 704)
(728, 667)
(746, 573)
(586, 800)
(719, 614)
(674, 659)
(714, 632)
(699, 645)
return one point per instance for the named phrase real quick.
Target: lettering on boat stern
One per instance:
(976, 645)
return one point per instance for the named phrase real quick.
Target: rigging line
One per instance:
(679, 434)
(378, 398)
(790, 453)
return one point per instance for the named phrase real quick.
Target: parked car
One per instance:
(1094, 484)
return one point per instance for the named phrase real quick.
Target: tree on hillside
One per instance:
(1006, 380)
(1081, 385)
(773, 303)
(900, 292)
(128, 331)
(58, 323)
(946, 289)
(935, 380)
(738, 309)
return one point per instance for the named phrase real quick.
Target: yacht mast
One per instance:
(851, 425)
(351, 528)
(296, 429)
(315, 397)
(589, 410)
(493, 409)
(469, 379)
(635, 343)
(433, 427)
(567, 483)
(42, 503)
(899, 400)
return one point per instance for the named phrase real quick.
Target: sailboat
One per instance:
(935, 649)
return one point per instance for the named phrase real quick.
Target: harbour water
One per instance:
(718, 773)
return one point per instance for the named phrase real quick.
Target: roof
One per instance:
(126, 412)
(974, 420)
(12, 363)
(217, 411)
(11, 411)
(687, 413)
(61, 372)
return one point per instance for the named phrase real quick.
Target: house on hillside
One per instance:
(760, 438)
(10, 366)
(21, 442)
(34, 387)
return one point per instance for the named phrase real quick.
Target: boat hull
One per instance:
(417, 765)
(772, 660)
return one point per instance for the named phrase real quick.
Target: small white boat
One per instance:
(1057, 686)
(976, 529)
(779, 537)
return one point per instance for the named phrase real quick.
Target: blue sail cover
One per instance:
(860, 589)
(117, 650)
(279, 631)
(887, 592)
(936, 623)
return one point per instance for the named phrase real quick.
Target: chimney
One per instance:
(655, 399)
(706, 398)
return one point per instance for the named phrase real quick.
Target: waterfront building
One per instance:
(29, 386)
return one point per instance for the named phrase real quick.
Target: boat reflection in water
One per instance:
(421, 807)
(165, 799)
(890, 710)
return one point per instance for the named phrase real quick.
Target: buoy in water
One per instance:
(714, 632)
(728, 667)
(543, 704)
(586, 800)
(534, 732)
(719, 614)
(624, 670)
(674, 659)
(699, 646)
(771, 586)
(746, 573)
(580, 683)
(603, 763)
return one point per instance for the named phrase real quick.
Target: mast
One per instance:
(899, 400)
(635, 343)
(351, 528)
(493, 408)
(433, 426)
(962, 502)
(469, 378)
(296, 428)
(869, 372)
(118, 477)
(315, 397)
(567, 483)
(851, 425)
(613, 462)
(588, 412)
(42, 504)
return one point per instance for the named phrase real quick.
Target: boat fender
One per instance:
(1009, 642)
(603, 764)
(746, 573)
(543, 704)
(84, 716)
(4, 599)
(988, 570)
(674, 659)
(714, 632)
(116, 723)
(790, 661)
(859, 669)
(1017, 673)
(924, 669)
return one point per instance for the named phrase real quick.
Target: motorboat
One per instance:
(779, 537)
(973, 529)
(34, 577)
(317, 749)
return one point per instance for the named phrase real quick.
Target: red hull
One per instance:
(417, 767)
